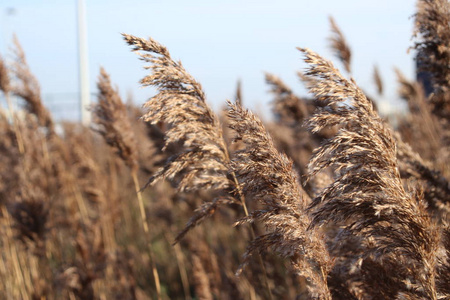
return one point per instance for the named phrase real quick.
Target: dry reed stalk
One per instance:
(339, 45)
(238, 96)
(29, 204)
(432, 35)
(378, 80)
(10, 161)
(181, 265)
(201, 162)
(424, 124)
(89, 273)
(267, 176)
(112, 117)
(80, 278)
(20, 285)
(28, 88)
(288, 132)
(432, 32)
(436, 186)
(26, 183)
(33, 204)
(286, 106)
(443, 270)
(5, 86)
(367, 197)
(151, 140)
(201, 280)
(207, 278)
(181, 103)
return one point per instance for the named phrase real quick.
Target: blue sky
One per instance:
(218, 42)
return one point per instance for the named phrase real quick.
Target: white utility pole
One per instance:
(85, 100)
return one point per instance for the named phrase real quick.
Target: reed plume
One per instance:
(339, 45)
(443, 270)
(28, 88)
(367, 196)
(436, 188)
(6, 87)
(5, 84)
(238, 95)
(286, 106)
(112, 117)
(201, 160)
(378, 81)
(432, 32)
(423, 123)
(267, 176)
(432, 35)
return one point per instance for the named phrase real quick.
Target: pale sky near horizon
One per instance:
(218, 42)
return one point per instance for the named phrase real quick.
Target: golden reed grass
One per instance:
(325, 201)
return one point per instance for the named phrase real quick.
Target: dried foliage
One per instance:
(432, 30)
(422, 124)
(367, 196)
(239, 92)
(378, 80)
(181, 104)
(371, 222)
(200, 162)
(5, 85)
(267, 176)
(432, 34)
(435, 186)
(340, 46)
(28, 88)
(287, 106)
(112, 117)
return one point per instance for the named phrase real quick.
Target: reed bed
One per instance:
(327, 200)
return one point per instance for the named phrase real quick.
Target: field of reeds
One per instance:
(327, 200)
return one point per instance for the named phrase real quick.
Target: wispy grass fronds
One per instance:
(267, 176)
(27, 87)
(200, 161)
(111, 115)
(443, 271)
(432, 34)
(287, 106)
(367, 197)
(180, 102)
(5, 83)
(423, 126)
(378, 81)
(436, 186)
(200, 279)
(5, 87)
(412, 93)
(238, 95)
(423, 123)
(432, 31)
(339, 45)
(288, 132)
